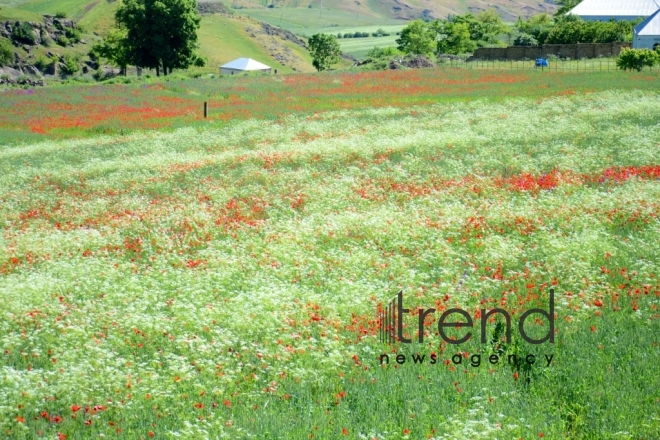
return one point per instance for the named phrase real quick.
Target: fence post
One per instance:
(206, 109)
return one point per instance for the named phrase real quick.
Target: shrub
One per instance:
(347, 35)
(381, 52)
(46, 40)
(339, 35)
(22, 32)
(43, 63)
(63, 41)
(6, 53)
(636, 59)
(60, 14)
(525, 40)
(71, 64)
(73, 34)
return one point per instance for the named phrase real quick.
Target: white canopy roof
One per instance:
(650, 26)
(616, 8)
(245, 64)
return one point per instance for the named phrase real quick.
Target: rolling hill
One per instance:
(249, 28)
(223, 36)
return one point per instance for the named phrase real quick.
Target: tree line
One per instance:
(465, 33)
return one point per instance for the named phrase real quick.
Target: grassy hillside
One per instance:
(225, 38)
(397, 9)
(310, 21)
(222, 37)
(94, 15)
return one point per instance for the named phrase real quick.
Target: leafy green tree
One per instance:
(538, 27)
(637, 59)
(580, 31)
(115, 49)
(6, 54)
(525, 40)
(455, 38)
(160, 34)
(325, 51)
(418, 38)
(491, 25)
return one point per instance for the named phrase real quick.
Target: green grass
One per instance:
(11, 14)
(298, 20)
(222, 280)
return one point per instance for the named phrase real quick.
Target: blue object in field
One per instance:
(541, 62)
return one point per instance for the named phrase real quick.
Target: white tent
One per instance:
(646, 35)
(243, 65)
(617, 9)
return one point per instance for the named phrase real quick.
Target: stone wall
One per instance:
(572, 51)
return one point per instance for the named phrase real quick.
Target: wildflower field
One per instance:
(224, 278)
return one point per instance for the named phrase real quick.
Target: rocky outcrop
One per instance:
(209, 8)
(283, 34)
(53, 28)
(418, 62)
(11, 76)
(27, 36)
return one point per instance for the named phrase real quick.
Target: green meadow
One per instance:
(168, 276)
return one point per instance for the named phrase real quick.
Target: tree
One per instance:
(418, 38)
(525, 40)
(538, 27)
(6, 54)
(580, 31)
(491, 26)
(455, 38)
(325, 51)
(630, 59)
(160, 34)
(115, 48)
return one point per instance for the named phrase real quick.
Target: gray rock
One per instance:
(10, 72)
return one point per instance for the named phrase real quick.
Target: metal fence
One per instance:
(558, 65)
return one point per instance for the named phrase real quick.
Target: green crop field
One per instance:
(166, 275)
(358, 47)
(306, 20)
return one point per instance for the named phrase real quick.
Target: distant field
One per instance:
(358, 47)
(72, 111)
(306, 20)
